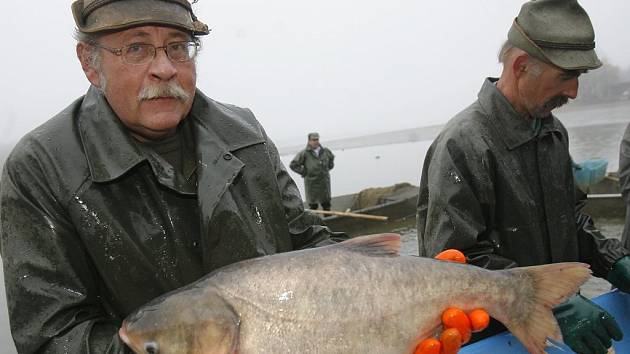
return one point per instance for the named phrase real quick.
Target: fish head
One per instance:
(190, 322)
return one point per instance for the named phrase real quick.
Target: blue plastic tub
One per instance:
(617, 303)
(589, 173)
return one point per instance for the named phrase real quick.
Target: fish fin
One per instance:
(379, 245)
(533, 321)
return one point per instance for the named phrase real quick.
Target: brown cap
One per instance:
(93, 16)
(558, 32)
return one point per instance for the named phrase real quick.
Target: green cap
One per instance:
(93, 16)
(313, 136)
(558, 32)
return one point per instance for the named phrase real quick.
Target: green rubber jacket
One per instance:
(91, 228)
(502, 191)
(316, 172)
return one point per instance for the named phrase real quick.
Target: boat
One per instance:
(616, 303)
(604, 199)
(398, 204)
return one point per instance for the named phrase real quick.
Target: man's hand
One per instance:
(458, 326)
(586, 328)
(619, 275)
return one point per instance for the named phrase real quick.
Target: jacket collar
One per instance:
(231, 128)
(514, 129)
(109, 148)
(111, 151)
(222, 131)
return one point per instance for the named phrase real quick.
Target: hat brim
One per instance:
(573, 59)
(121, 15)
(567, 59)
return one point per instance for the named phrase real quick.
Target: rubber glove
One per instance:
(619, 275)
(457, 325)
(586, 328)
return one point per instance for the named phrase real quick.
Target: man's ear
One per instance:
(520, 65)
(84, 53)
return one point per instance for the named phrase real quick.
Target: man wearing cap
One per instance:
(497, 182)
(139, 187)
(314, 164)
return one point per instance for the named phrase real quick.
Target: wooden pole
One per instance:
(612, 178)
(348, 214)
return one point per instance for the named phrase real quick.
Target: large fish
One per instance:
(359, 296)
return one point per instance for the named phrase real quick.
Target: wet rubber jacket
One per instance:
(91, 228)
(315, 170)
(624, 182)
(503, 192)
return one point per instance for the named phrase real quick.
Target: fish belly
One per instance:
(343, 303)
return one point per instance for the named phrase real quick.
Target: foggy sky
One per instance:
(340, 67)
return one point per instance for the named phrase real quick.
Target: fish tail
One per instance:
(531, 318)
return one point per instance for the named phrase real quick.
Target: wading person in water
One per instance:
(314, 164)
(139, 187)
(497, 183)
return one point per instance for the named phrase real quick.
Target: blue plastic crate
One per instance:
(589, 173)
(617, 303)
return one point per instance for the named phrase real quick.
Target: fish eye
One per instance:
(151, 348)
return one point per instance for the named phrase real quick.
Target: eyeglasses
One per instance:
(142, 53)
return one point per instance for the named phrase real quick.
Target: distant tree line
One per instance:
(606, 84)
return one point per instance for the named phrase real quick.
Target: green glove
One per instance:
(586, 328)
(619, 275)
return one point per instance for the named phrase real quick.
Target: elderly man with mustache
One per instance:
(139, 187)
(497, 183)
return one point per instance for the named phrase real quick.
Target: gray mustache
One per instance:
(556, 102)
(170, 90)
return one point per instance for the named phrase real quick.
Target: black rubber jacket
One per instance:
(91, 228)
(501, 189)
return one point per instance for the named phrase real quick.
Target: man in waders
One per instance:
(314, 164)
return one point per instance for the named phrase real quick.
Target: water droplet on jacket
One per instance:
(455, 177)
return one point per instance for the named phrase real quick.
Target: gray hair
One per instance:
(90, 39)
(506, 52)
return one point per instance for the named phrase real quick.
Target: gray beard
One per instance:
(550, 105)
